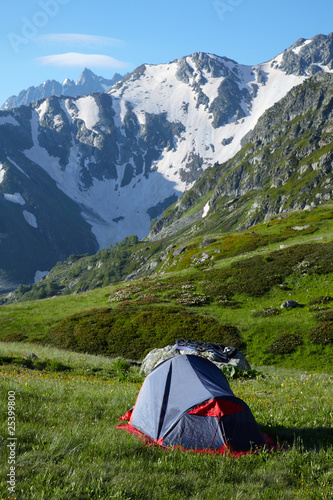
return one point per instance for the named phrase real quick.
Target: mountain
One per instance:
(280, 182)
(87, 83)
(113, 162)
(285, 164)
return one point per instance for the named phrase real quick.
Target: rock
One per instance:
(300, 228)
(157, 356)
(30, 355)
(290, 304)
(206, 242)
(179, 250)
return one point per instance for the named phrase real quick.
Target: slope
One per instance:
(123, 157)
(285, 164)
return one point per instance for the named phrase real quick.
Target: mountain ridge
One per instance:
(87, 83)
(211, 215)
(291, 139)
(124, 156)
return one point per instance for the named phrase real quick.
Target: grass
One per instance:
(68, 446)
(254, 274)
(34, 318)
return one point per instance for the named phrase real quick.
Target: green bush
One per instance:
(232, 372)
(284, 344)
(131, 331)
(52, 365)
(267, 312)
(15, 337)
(324, 316)
(322, 333)
(321, 300)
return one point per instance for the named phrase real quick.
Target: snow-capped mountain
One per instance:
(120, 158)
(87, 83)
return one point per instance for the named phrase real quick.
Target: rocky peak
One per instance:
(87, 83)
(307, 57)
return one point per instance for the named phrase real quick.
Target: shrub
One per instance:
(284, 344)
(321, 300)
(317, 308)
(232, 372)
(324, 316)
(132, 330)
(121, 368)
(52, 365)
(232, 304)
(322, 333)
(267, 312)
(191, 299)
(15, 337)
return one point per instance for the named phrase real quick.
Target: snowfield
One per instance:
(114, 210)
(14, 198)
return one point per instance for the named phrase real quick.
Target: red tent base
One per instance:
(225, 450)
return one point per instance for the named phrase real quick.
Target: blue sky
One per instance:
(55, 39)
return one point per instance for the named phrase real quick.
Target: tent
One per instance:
(187, 402)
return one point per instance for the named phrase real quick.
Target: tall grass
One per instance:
(68, 446)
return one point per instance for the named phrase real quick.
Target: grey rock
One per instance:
(157, 356)
(30, 355)
(227, 141)
(87, 83)
(290, 304)
(300, 228)
(206, 242)
(179, 250)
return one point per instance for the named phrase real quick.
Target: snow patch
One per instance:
(30, 218)
(14, 198)
(2, 173)
(42, 109)
(297, 49)
(88, 111)
(19, 168)
(205, 210)
(39, 155)
(40, 275)
(5, 120)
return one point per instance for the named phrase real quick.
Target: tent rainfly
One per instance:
(187, 402)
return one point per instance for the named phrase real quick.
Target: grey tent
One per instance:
(187, 402)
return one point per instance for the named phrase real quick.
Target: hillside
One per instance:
(230, 286)
(285, 164)
(251, 234)
(81, 173)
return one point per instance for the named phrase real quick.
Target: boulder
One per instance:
(157, 356)
(290, 304)
(179, 250)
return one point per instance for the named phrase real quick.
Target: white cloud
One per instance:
(77, 38)
(73, 59)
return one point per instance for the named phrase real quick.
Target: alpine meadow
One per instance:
(187, 203)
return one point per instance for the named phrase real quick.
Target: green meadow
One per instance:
(68, 446)
(88, 346)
